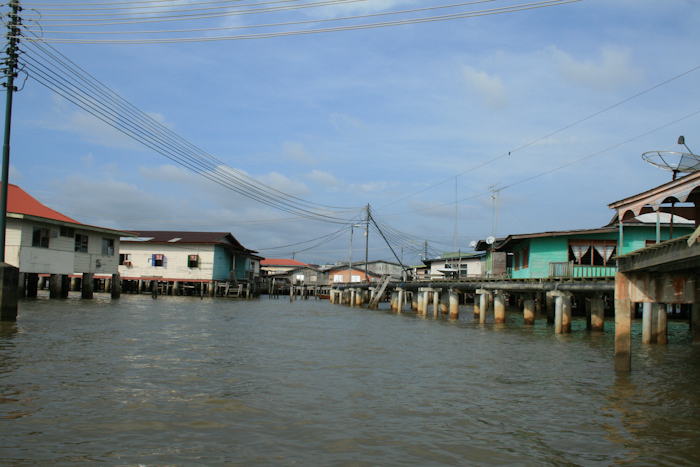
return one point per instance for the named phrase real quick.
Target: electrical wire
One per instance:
(398, 22)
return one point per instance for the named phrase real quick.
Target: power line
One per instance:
(398, 22)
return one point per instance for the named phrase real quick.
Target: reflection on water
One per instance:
(189, 382)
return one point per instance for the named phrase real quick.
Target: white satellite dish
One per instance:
(473, 243)
(674, 161)
(490, 240)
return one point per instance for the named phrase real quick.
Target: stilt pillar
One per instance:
(558, 314)
(21, 284)
(392, 302)
(662, 324)
(566, 314)
(88, 285)
(419, 301)
(414, 301)
(477, 306)
(454, 304)
(695, 322)
(529, 311)
(444, 303)
(646, 322)
(116, 285)
(55, 286)
(436, 304)
(400, 300)
(483, 304)
(499, 307)
(212, 288)
(597, 314)
(551, 308)
(623, 324)
(539, 305)
(9, 279)
(32, 285)
(65, 286)
(353, 293)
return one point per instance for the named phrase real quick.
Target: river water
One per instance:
(181, 381)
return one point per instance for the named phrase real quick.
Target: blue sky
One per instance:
(386, 117)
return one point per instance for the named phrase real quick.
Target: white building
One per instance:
(42, 241)
(187, 257)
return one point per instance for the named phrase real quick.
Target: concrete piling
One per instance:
(529, 312)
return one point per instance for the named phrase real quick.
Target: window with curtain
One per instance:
(592, 252)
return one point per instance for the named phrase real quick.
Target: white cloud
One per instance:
(14, 174)
(342, 121)
(323, 178)
(612, 69)
(87, 160)
(298, 152)
(490, 89)
(284, 184)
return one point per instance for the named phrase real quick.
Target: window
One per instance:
(40, 237)
(592, 252)
(337, 278)
(516, 260)
(108, 246)
(193, 261)
(158, 260)
(125, 259)
(81, 243)
(67, 231)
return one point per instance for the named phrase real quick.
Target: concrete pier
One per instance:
(529, 312)
(454, 304)
(597, 314)
(646, 322)
(477, 306)
(499, 307)
(483, 304)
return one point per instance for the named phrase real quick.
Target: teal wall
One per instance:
(547, 250)
(242, 265)
(222, 263)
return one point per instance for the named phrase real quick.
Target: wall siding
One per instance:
(175, 266)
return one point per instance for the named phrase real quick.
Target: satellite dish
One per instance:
(490, 240)
(473, 243)
(673, 161)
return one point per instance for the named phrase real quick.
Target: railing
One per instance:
(570, 269)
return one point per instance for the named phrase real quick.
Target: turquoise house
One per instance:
(585, 253)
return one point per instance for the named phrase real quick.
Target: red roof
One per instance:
(20, 202)
(281, 262)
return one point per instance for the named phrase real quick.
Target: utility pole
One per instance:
(11, 72)
(9, 275)
(367, 245)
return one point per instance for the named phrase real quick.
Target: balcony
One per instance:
(572, 270)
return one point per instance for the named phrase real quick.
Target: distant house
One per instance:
(182, 257)
(380, 267)
(456, 265)
(40, 240)
(271, 266)
(587, 252)
(343, 275)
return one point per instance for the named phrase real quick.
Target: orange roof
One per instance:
(20, 202)
(281, 262)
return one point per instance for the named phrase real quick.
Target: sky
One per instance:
(553, 107)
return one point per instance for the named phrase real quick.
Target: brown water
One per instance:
(189, 382)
